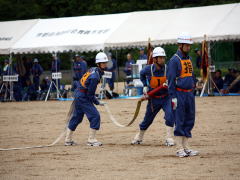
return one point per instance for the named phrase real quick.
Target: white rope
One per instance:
(40, 146)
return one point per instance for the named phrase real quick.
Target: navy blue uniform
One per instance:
(128, 67)
(29, 93)
(180, 85)
(229, 78)
(198, 62)
(28, 66)
(144, 56)
(45, 85)
(112, 66)
(161, 99)
(37, 70)
(85, 100)
(80, 68)
(219, 83)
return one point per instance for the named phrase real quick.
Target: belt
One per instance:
(162, 96)
(184, 90)
(83, 90)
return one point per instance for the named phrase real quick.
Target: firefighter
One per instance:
(84, 100)
(153, 76)
(180, 87)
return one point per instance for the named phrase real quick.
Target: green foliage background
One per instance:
(31, 9)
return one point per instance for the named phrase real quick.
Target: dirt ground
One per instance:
(216, 135)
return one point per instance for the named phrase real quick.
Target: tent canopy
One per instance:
(86, 33)
(221, 22)
(12, 31)
(94, 33)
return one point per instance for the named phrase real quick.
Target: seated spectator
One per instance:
(199, 87)
(235, 85)
(45, 84)
(195, 91)
(29, 92)
(229, 78)
(17, 91)
(218, 81)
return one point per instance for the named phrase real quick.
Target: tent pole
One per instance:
(210, 86)
(56, 79)
(71, 61)
(117, 70)
(10, 72)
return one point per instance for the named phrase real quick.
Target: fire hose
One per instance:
(149, 95)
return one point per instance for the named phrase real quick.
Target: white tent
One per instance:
(12, 31)
(93, 33)
(220, 22)
(86, 33)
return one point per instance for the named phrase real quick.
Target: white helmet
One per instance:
(158, 51)
(101, 57)
(184, 39)
(35, 60)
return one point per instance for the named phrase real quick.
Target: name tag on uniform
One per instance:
(107, 75)
(12, 78)
(57, 75)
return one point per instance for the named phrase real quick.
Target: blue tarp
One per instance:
(65, 99)
(229, 94)
(137, 97)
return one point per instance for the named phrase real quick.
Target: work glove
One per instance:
(145, 90)
(174, 103)
(101, 103)
(165, 85)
